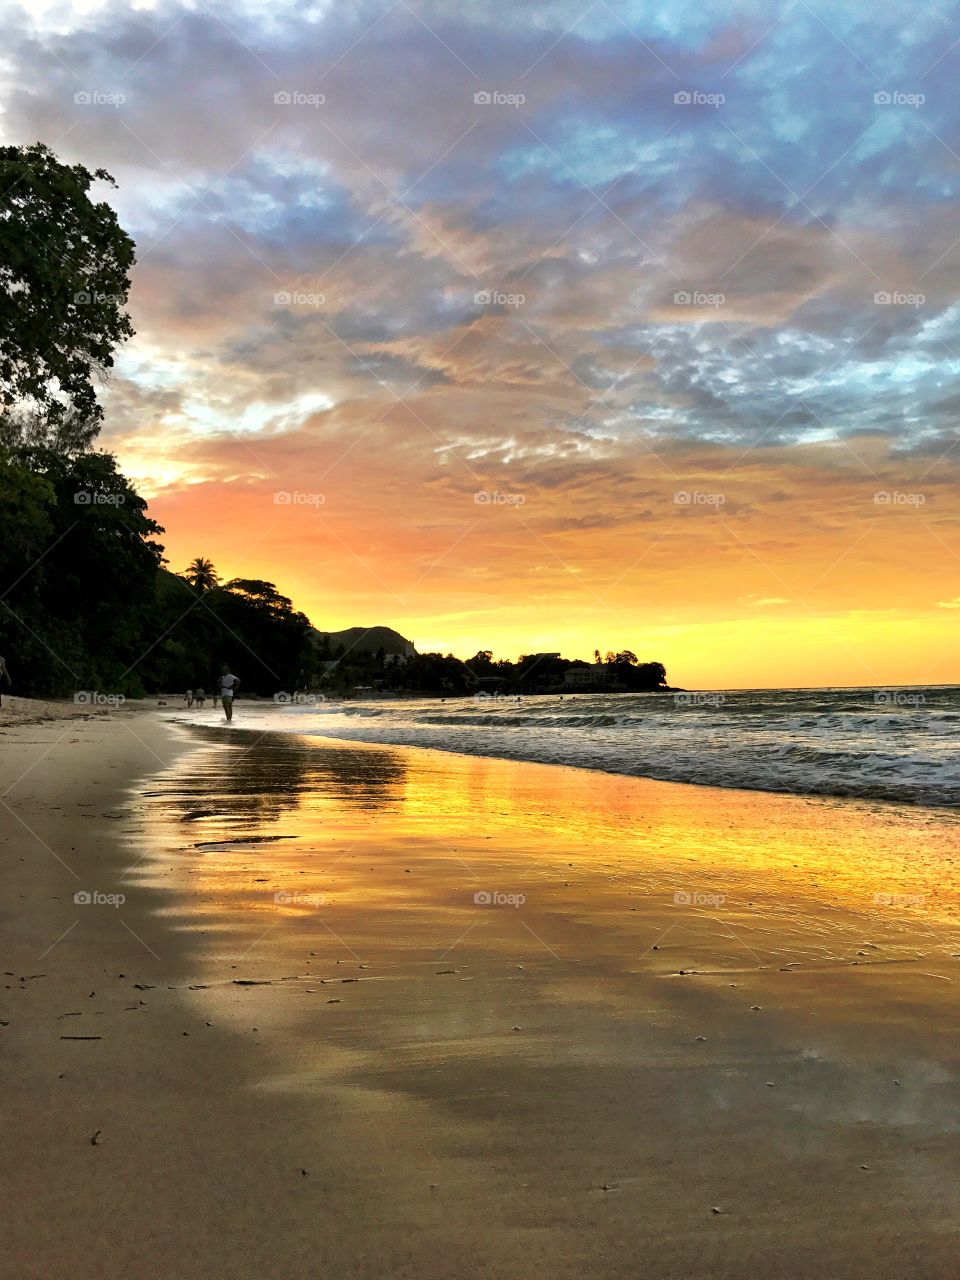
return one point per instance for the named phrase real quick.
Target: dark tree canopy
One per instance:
(78, 568)
(64, 264)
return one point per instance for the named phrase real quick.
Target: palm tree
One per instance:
(201, 575)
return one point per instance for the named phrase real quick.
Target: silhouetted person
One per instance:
(228, 687)
(201, 698)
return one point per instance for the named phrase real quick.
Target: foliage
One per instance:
(447, 675)
(64, 263)
(77, 572)
(201, 574)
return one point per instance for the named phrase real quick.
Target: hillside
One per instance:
(366, 640)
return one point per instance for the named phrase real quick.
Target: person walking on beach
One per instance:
(188, 698)
(228, 687)
(201, 698)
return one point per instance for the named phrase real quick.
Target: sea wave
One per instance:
(899, 745)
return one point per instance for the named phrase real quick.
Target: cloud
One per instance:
(599, 288)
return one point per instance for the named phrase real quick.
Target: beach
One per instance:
(367, 1010)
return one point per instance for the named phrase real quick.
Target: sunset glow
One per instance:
(541, 328)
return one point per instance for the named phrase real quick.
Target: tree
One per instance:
(77, 574)
(263, 633)
(201, 575)
(653, 674)
(27, 427)
(260, 594)
(481, 664)
(64, 264)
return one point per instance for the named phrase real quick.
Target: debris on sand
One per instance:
(230, 840)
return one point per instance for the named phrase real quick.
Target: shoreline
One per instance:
(32, 711)
(828, 796)
(836, 789)
(542, 1096)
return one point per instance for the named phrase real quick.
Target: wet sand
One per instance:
(388, 1012)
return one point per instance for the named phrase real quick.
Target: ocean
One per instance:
(896, 744)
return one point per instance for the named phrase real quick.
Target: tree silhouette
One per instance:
(201, 575)
(64, 261)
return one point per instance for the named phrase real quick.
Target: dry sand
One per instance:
(604, 1079)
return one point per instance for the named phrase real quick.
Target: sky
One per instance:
(540, 327)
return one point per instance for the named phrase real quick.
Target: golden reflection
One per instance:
(447, 932)
(383, 851)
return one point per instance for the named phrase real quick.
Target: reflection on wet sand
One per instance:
(608, 984)
(735, 880)
(260, 779)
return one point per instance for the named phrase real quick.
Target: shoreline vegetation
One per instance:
(98, 610)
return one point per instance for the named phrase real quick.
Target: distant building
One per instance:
(585, 675)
